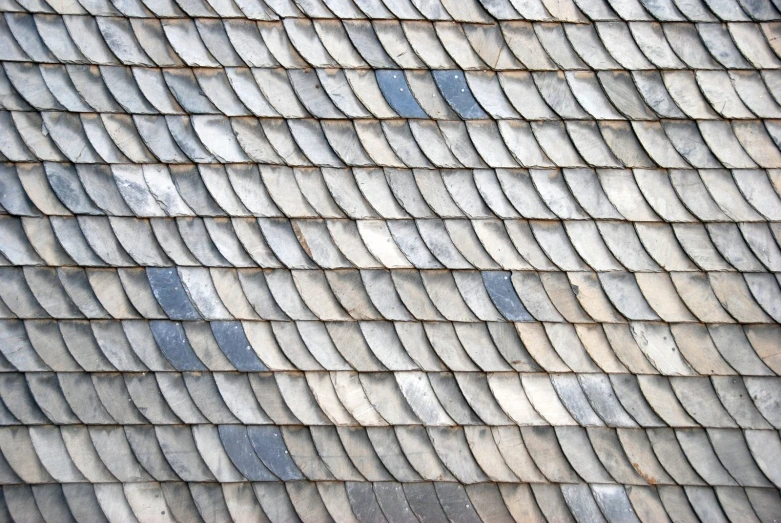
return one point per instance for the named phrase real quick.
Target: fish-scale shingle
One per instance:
(390, 261)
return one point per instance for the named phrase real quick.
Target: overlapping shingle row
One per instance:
(91, 139)
(375, 397)
(382, 501)
(466, 11)
(238, 190)
(390, 260)
(361, 44)
(237, 453)
(194, 293)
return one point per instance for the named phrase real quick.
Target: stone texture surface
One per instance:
(390, 260)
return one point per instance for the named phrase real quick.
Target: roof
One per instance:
(390, 260)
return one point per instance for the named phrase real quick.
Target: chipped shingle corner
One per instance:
(390, 260)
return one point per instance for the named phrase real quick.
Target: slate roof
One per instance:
(390, 260)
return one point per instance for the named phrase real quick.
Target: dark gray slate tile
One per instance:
(170, 293)
(364, 503)
(423, 500)
(500, 290)
(173, 343)
(453, 86)
(234, 343)
(456, 502)
(397, 93)
(271, 448)
(237, 444)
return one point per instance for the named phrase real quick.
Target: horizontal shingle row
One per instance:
(480, 11)
(194, 293)
(469, 455)
(441, 94)
(351, 502)
(375, 399)
(308, 345)
(549, 246)
(507, 144)
(224, 345)
(457, 244)
(134, 346)
(302, 43)
(241, 190)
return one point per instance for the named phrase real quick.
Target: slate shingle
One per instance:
(353, 261)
